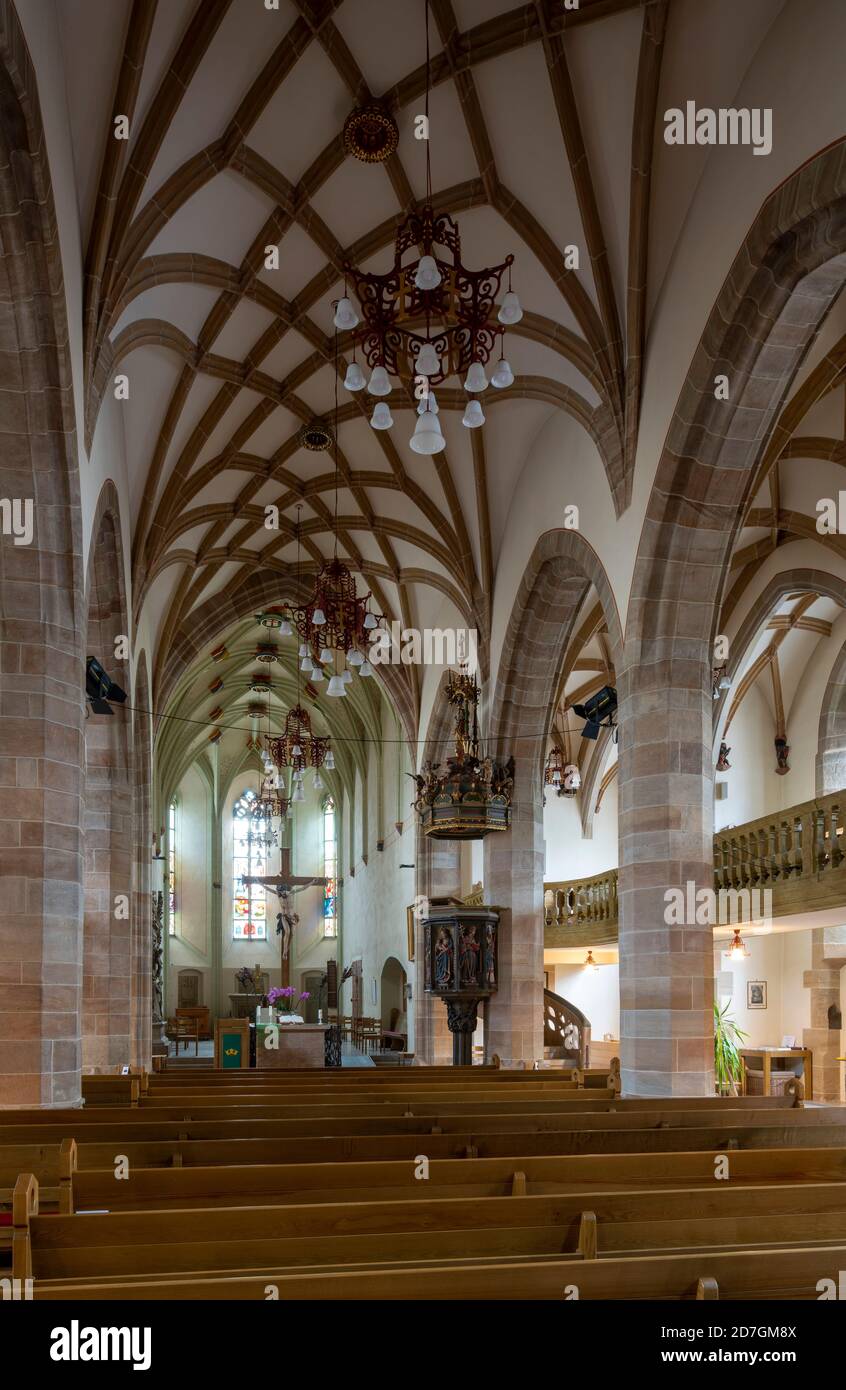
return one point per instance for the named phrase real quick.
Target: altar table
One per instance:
(299, 1045)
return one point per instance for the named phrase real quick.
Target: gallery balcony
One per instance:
(797, 854)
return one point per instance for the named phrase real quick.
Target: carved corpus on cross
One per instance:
(285, 885)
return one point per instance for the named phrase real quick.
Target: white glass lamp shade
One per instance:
(329, 761)
(725, 683)
(365, 669)
(298, 794)
(429, 403)
(318, 674)
(318, 617)
(381, 419)
(303, 649)
(370, 621)
(318, 780)
(285, 629)
(427, 437)
(427, 275)
(325, 654)
(428, 363)
(474, 416)
(345, 314)
(510, 310)
(354, 658)
(335, 687)
(307, 665)
(346, 675)
(355, 379)
(296, 751)
(502, 375)
(475, 379)
(379, 383)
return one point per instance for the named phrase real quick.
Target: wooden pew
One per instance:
(112, 1089)
(358, 1180)
(566, 1133)
(404, 1234)
(52, 1164)
(733, 1275)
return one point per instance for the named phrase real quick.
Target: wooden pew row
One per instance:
(271, 1094)
(632, 1167)
(53, 1166)
(303, 1111)
(372, 1076)
(348, 1181)
(732, 1275)
(604, 1136)
(362, 1180)
(335, 1236)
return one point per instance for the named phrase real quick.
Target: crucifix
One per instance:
(285, 885)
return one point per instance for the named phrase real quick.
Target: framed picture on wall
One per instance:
(409, 923)
(756, 994)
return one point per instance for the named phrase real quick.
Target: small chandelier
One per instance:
(298, 748)
(553, 772)
(737, 950)
(591, 966)
(335, 619)
(414, 295)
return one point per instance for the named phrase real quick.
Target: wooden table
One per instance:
(767, 1054)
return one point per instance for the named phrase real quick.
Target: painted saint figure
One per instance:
(443, 959)
(490, 971)
(469, 956)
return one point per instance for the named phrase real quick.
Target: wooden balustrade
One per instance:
(789, 862)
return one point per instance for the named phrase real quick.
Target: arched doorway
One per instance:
(392, 996)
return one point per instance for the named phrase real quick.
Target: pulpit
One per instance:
(460, 966)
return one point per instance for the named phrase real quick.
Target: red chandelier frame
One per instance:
(298, 734)
(464, 301)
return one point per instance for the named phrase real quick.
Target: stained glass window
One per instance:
(171, 868)
(249, 860)
(330, 870)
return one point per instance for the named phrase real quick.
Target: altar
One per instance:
(298, 1046)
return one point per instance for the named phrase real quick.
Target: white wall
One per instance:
(780, 958)
(596, 993)
(568, 856)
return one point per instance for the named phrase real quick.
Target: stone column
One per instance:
(666, 841)
(514, 861)
(438, 876)
(41, 622)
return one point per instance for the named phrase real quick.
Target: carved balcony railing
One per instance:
(797, 855)
(582, 912)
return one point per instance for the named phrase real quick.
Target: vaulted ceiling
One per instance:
(543, 125)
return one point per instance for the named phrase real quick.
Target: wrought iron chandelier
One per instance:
(428, 319)
(298, 748)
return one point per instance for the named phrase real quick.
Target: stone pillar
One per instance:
(666, 841)
(438, 876)
(514, 861)
(41, 622)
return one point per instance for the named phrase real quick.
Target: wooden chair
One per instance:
(184, 1030)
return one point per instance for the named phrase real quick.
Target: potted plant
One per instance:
(283, 998)
(727, 1061)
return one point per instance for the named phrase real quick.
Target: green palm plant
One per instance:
(727, 1040)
